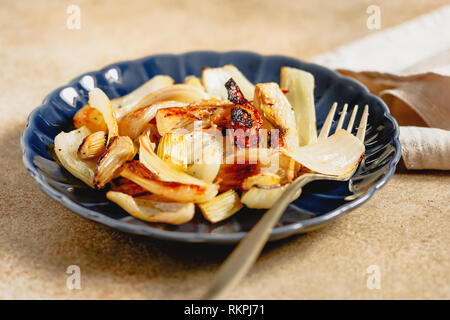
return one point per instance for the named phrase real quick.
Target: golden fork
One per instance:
(247, 251)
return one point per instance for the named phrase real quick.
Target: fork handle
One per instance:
(247, 251)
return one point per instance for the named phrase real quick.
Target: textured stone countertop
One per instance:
(403, 229)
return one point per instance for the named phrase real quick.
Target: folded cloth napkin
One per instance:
(425, 148)
(419, 102)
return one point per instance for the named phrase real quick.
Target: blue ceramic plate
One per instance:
(319, 203)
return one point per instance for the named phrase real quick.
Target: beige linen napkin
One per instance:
(417, 101)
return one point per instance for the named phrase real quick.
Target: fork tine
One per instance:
(341, 119)
(352, 119)
(363, 124)
(327, 124)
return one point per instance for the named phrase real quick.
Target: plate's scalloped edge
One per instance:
(277, 233)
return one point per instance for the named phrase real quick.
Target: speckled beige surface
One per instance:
(404, 228)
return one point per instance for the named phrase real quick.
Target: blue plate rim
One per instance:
(283, 231)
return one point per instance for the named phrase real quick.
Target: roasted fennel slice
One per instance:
(179, 92)
(221, 207)
(264, 197)
(93, 118)
(153, 210)
(93, 145)
(205, 113)
(124, 104)
(241, 164)
(126, 186)
(66, 149)
(134, 123)
(287, 167)
(299, 85)
(90, 118)
(337, 155)
(205, 153)
(173, 148)
(271, 101)
(120, 150)
(261, 179)
(100, 101)
(214, 80)
(172, 190)
(167, 172)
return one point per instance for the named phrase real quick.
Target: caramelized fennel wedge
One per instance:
(173, 148)
(205, 152)
(271, 101)
(199, 189)
(245, 120)
(262, 179)
(214, 80)
(100, 101)
(124, 104)
(91, 118)
(244, 163)
(66, 149)
(300, 93)
(221, 207)
(134, 123)
(171, 119)
(231, 175)
(246, 86)
(337, 155)
(178, 92)
(207, 113)
(127, 186)
(260, 197)
(287, 169)
(176, 191)
(93, 145)
(164, 170)
(119, 151)
(153, 211)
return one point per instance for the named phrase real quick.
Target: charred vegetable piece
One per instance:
(134, 123)
(66, 148)
(205, 153)
(288, 168)
(93, 145)
(261, 179)
(337, 155)
(90, 118)
(215, 78)
(271, 101)
(241, 164)
(173, 148)
(178, 92)
(176, 191)
(100, 101)
(245, 120)
(120, 150)
(164, 170)
(171, 119)
(299, 85)
(265, 197)
(169, 173)
(153, 210)
(127, 103)
(127, 186)
(221, 207)
(231, 175)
